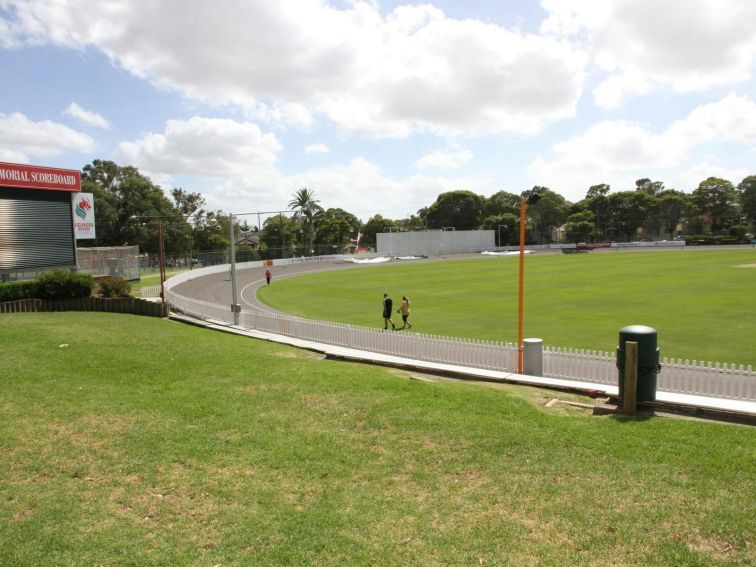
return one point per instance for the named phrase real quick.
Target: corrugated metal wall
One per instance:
(36, 230)
(434, 242)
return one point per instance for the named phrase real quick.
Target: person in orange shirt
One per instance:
(404, 309)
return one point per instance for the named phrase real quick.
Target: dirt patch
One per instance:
(746, 266)
(301, 354)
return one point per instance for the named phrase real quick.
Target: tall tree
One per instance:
(458, 209)
(187, 204)
(628, 211)
(747, 190)
(718, 199)
(601, 190)
(210, 232)
(279, 231)
(306, 208)
(373, 226)
(597, 202)
(505, 226)
(580, 227)
(649, 187)
(128, 208)
(548, 213)
(336, 227)
(669, 208)
(500, 203)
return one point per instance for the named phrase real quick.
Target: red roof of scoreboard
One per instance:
(36, 177)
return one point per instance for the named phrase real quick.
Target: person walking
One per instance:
(388, 306)
(404, 309)
(268, 275)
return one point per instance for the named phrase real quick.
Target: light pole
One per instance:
(524, 202)
(498, 228)
(161, 248)
(235, 306)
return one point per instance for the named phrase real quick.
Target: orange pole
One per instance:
(523, 206)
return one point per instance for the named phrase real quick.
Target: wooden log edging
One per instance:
(129, 305)
(21, 306)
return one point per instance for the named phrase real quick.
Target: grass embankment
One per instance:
(147, 442)
(700, 302)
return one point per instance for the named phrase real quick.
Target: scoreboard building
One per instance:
(38, 218)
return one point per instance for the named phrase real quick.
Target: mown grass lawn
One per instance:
(702, 303)
(134, 441)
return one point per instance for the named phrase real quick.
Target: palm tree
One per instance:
(306, 210)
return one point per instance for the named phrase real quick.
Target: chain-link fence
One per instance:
(118, 261)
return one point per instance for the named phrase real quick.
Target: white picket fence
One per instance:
(706, 379)
(151, 291)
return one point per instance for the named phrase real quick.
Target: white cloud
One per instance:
(22, 139)
(731, 119)
(242, 160)
(617, 152)
(317, 149)
(206, 147)
(445, 159)
(692, 177)
(414, 69)
(688, 46)
(360, 187)
(86, 116)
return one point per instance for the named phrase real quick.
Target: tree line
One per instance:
(130, 206)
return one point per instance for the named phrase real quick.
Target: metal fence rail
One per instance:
(708, 379)
(474, 353)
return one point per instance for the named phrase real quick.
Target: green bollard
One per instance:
(648, 360)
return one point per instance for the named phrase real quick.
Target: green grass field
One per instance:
(702, 304)
(146, 442)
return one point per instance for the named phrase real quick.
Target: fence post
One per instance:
(532, 354)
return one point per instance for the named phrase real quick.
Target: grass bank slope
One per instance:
(131, 441)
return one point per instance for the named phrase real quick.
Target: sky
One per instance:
(380, 106)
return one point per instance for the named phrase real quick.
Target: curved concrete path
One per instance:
(216, 288)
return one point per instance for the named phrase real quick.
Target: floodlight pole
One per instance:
(235, 307)
(524, 202)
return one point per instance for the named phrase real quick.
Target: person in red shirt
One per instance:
(268, 275)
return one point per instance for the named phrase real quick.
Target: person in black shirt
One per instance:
(388, 305)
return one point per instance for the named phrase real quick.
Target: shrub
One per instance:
(60, 284)
(12, 291)
(739, 231)
(727, 240)
(113, 286)
(699, 239)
